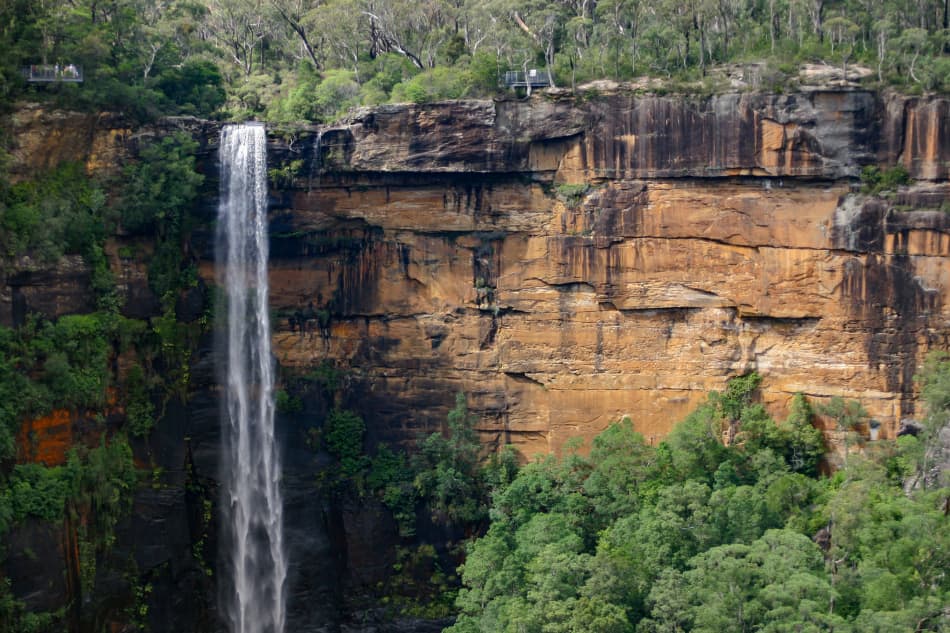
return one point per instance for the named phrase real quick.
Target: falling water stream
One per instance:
(253, 601)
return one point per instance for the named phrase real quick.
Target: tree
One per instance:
(775, 582)
(240, 27)
(848, 416)
(449, 476)
(932, 451)
(293, 13)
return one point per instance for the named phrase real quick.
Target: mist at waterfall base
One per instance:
(253, 562)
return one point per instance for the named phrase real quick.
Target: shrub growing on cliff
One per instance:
(158, 198)
(343, 434)
(160, 185)
(60, 212)
(876, 181)
(448, 473)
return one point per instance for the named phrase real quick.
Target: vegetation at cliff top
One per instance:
(288, 60)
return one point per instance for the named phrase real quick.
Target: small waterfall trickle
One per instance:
(254, 560)
(316, 162)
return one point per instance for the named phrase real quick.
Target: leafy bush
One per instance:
(61, 212)
(160, 185)
(344, 440)
(74, 353)
(448, 473)
(38, 491)
(160, 191)
(196, 87)
(877, 181)
(102, 484)
(433, 85)
(313, 99)
(287, 403)
(139, 410)
(391, 476)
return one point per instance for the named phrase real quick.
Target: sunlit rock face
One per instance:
(563, 261)
(566, 262)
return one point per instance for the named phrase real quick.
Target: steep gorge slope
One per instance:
(567, 261)
(564, 261)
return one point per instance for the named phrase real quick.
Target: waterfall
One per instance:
(254, 559)
(315, 163)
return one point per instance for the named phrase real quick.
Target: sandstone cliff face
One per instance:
(564, 262)
(568, 263)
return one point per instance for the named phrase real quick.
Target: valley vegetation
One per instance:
(693, 535)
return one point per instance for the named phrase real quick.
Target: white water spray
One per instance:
(254, 600)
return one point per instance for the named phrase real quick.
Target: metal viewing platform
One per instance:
(531, 79)
(51, 73)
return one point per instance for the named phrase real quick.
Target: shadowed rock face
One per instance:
(564, 262)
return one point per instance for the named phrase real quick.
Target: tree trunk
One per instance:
(301, 32)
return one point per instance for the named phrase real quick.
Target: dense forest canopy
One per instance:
(694, 535)
(313, 59)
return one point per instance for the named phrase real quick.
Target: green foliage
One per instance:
(14, 618)
(874, 181)
(444, 477)
(419, 588)
(448, 473)
(74, 353)
(572, 195)
(343, 433)
(698, 536)
(287, 403)
(696, 448)
(381, 74)
(173, 342)
(922, 454)
(61, 212)
(158, 195)
(284, 175)
(245, 59)
(195, 87)
(54, 364)
(777, 579)
(102, 482)
(437, 84)
(38, 491)
(139, 410)
(316, 99)
(391, 476)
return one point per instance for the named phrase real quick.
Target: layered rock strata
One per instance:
(566, 263)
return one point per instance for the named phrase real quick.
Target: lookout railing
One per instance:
(531, 79)
(49, 73)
